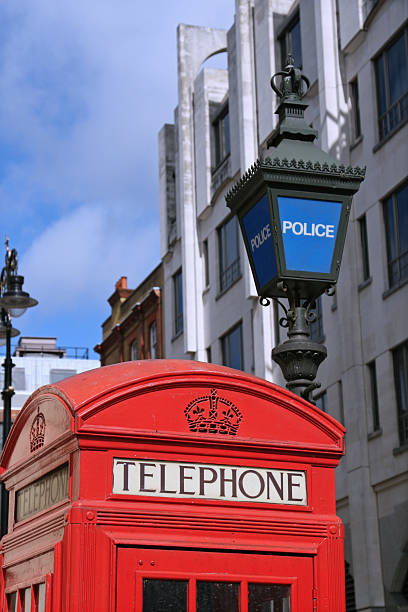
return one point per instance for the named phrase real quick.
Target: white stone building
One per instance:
(355, 53)
(38, 362)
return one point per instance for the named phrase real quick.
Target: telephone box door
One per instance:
(179, 580)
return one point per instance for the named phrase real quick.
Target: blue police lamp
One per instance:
(293, 207)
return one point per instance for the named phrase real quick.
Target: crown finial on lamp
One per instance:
(291, 88)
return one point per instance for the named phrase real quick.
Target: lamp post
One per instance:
(293, 208)
(13, 303)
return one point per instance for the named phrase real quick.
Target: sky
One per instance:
(85, 88)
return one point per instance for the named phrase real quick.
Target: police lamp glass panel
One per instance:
(309, 229)
(291, 237)
(257, 226)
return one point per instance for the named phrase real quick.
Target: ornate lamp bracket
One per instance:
(299, 357)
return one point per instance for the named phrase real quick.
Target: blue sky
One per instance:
(85, 88)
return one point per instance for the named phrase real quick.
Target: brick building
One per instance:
(134, 328)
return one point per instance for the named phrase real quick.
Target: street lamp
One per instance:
(293, 208)
(13, 303)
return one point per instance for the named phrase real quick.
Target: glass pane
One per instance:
(27, 599)
(296, 45)
(397, 70)
(364, 247)
(12, 602)
(133, 351)
(401, 376)
(402, 213)
(180, 293)
(382, 105)
(164, 595)
(41, 597)
(217, 143)
(217, 596)
(283, 50)
(231, 243)
(321, 402)
(390, 229)
(355, 108)
(153, 340)
(227, 142)
(235, 349)
(232, 349)
(268, 597)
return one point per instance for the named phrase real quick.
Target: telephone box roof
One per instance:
(157, 399)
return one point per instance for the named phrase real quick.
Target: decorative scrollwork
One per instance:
(283, 322)
(330, 290)
(282, 286)
(310, 314)
(264, 301)
(306, 393)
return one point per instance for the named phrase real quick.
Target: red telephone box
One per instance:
(171, 486)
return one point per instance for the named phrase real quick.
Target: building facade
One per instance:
(356, 57)
(39, 361)
(134, 328)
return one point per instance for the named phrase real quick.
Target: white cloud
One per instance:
(78, 259)
(86, 86)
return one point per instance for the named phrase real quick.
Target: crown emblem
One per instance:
(37, 433)
(213, 414)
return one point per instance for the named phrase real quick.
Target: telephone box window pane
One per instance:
(164, 595)
(41, 597)
(27, 599)
(217, 596)
(268, 597)
(12, 602)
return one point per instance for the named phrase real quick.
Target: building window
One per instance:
(391, 68)
(228, 240)
(400, 356)
(404, 588)
(178, 302)
(316, 327)
(372, 371)
(56, 375)
(355, 109)
(232, 348)
(208, 353)
(221, 134)
(321, 401)
(362, 222)
(396, 229)
(19, 379)
(153, 340)
(206, 264)
(133, 352)
(290, 42)
(341, 402)
(350, 592)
